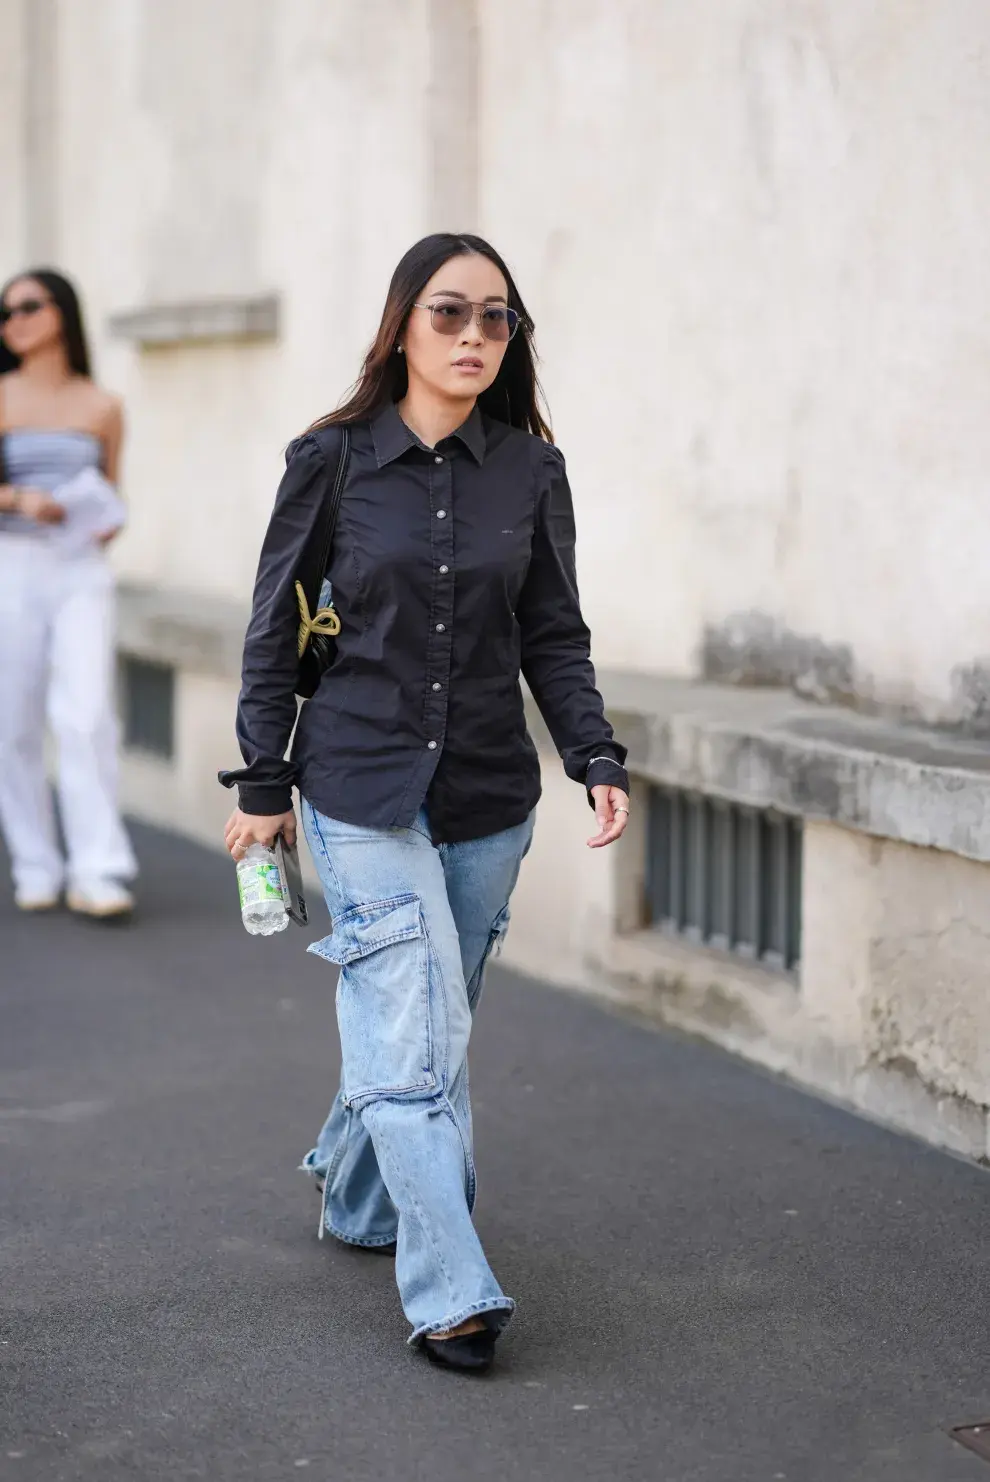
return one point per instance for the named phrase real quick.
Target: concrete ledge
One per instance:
(202, 319)
(197, 634)
(769, 749)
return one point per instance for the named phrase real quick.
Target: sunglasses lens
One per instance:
(27, 308)
(498, 323)
(450, 318)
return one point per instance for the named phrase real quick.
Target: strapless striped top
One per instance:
(42, 458)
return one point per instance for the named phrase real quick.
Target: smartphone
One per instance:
(290, 879)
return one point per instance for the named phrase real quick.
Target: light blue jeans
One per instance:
(414, 924)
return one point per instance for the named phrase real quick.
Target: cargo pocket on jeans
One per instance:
(383, 998)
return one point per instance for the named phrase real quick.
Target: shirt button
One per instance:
(441, 627)
(431, 745)
(441, 514)
(444, 570)
(438, 686)
(438, 460)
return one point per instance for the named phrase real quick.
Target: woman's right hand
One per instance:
(38, 505)
(245, 829)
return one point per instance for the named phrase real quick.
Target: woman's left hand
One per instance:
(612, 813)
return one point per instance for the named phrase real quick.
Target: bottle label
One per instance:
(259, 884)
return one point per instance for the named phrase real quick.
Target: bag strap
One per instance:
(324, 438)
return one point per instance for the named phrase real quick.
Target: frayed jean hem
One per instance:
(504, 1306)
(370, 1242)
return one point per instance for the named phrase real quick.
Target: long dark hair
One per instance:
(515, 396)
(66, 300)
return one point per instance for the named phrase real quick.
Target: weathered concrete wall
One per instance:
(751, 232)
(13, 151)
(903, 983)
(753, 235)
(236, 150)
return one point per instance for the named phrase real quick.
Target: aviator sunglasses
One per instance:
(450, 316)
(27, 308)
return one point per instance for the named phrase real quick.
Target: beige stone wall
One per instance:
(896, 978)
(563, 905)
(217, 149)
(753, 233)
(185, 792)
(906, 976)
(13, 110)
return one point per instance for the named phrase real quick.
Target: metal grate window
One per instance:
(148, 706)
(725, 875)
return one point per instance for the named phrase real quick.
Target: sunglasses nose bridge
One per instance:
(471, 330)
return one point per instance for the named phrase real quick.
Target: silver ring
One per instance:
(620, 810)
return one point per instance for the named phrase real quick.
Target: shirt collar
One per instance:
(392, 437)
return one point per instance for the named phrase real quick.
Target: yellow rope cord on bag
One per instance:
(323, 620)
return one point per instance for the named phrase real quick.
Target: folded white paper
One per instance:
(92, 508)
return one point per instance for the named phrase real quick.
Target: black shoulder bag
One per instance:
(319, 626)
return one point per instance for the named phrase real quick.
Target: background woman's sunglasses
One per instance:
(450, 316)
(27, 308)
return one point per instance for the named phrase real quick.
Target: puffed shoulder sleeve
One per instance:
(556, 643)
(266, 709)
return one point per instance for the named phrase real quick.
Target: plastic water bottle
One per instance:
(262, 908)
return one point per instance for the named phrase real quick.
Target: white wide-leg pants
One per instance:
(57, 666)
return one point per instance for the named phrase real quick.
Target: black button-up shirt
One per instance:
(452, 573)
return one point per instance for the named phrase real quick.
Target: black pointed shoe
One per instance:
(472, 1353)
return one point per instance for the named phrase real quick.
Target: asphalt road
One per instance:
(719, 1279)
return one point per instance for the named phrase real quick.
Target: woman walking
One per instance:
(452, 571)
(59, 433)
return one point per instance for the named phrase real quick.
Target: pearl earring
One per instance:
(399, 350)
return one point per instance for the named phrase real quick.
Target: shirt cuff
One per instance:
(264, 798)
(603, 771)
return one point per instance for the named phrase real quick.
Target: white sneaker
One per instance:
(36, 902)
(102, 900)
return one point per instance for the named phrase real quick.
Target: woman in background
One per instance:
(56, 607)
